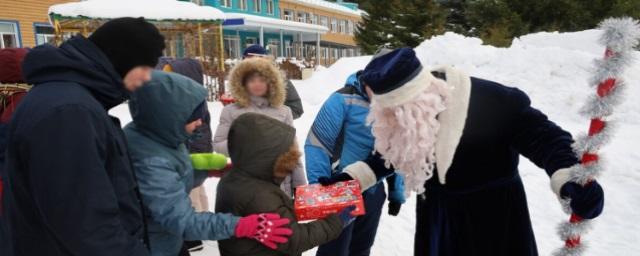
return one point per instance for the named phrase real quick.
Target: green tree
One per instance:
(398, 23)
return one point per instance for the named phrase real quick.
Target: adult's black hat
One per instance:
(129, 42)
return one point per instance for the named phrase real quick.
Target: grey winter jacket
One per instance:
(162, 164)
(256, 143)
(272, 105)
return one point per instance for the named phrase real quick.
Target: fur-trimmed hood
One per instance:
(277, 92)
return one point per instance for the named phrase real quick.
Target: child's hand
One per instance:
(267, 228)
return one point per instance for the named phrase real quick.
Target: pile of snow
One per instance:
(553, 68)
(150, 9)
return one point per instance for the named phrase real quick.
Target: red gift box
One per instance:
(316, 201)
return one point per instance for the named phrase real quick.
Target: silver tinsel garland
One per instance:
(620, 36)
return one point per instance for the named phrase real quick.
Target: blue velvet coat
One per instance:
(481, 208)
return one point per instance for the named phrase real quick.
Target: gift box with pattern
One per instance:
(316, 201)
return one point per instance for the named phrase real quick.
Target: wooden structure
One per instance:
(200, 39)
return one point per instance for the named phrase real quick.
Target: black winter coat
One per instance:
(293, 100)
(70, 188)
(482, 208)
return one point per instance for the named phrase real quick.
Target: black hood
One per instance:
(79, 61)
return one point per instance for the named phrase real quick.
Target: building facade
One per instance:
(339, 18)
(316, 31)
(25, 23)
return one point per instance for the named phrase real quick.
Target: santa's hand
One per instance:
(370, 171)
(586, 202)
(326, 181)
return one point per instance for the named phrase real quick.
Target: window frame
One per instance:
(324, 21)
(271, 7)
(350, 27)
(334, 25)
(243, 5)
(257, 6)
(36, 34)
(298, 18)
(289, 17)
(226, 3)
(17, 34)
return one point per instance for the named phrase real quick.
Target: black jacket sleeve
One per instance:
(537, 138)
(66, 156)
(293, 101)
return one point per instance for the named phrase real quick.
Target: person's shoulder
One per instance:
(60, 95)
(61, 102)
(497, 89)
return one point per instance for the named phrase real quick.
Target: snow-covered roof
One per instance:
(331, 5)
(257, 21)
(150, 9)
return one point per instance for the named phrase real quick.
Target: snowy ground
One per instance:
(553, 69)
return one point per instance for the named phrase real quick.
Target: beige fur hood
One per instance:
(264, 66)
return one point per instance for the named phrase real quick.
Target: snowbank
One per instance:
(150, 9)
(553, 69)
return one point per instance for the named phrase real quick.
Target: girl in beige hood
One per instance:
(258, 87)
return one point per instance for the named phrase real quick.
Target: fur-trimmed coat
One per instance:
(272, 105)
(476, 204)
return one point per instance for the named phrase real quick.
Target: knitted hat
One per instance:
(254, 50)
(128, 43)
(390, 75)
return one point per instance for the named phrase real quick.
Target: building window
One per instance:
(334, 25)
(302, 17)
(343, 26)
(287, 14)
(243, 5)
(257, 5)
(9, 35)
(232, 47)
(313, 19)
(274, 47)
(324, 21)
(45, 34)
(270, 7)
(350, 27)
(225, 3)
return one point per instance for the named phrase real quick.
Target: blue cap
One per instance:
(255, 49)
(391, 70)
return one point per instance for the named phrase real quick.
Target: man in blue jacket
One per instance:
(70, 189)
(339, 137)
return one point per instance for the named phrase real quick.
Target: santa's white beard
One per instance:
(405, 135)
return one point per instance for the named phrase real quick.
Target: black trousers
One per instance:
(357, 238)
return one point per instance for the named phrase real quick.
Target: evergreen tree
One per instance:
(398, 23)
(457, 20)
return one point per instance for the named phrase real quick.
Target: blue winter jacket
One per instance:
(341, 126)
(161, 162)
